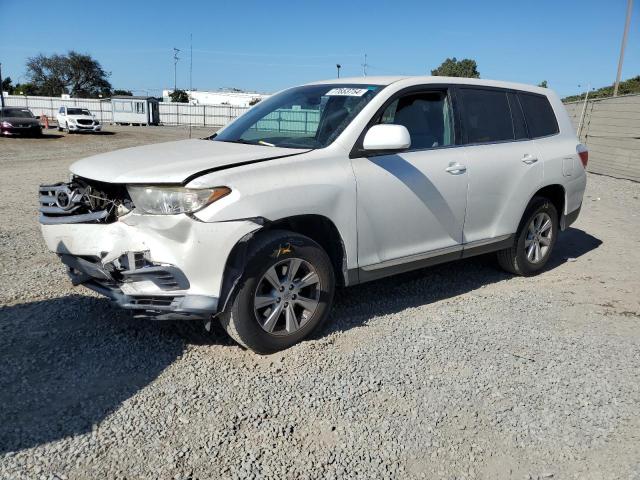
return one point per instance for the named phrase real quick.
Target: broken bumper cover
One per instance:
(163, 267)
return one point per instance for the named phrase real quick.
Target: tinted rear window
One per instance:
(486, 115)
(539, 115)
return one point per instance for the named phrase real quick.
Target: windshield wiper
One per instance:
(240, 140)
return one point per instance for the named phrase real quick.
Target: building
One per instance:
(135, 110)
(220, 97)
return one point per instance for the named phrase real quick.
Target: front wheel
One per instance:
(286, 293)
(535, 239)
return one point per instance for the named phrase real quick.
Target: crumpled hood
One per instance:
(172, 162)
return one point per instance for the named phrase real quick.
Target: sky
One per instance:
(265, 46)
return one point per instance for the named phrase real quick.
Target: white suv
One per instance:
(332, 183)
(75, 119)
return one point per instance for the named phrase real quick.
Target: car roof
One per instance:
(408, 81)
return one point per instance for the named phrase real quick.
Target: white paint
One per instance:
(387, 137)
(405, 204)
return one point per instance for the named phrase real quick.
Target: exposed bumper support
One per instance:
(160, 307)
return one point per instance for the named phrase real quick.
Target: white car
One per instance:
(75, 119)
(329, 184)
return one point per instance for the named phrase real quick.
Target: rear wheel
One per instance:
(286, 293)
(535, 239)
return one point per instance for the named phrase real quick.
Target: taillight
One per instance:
(583, 153)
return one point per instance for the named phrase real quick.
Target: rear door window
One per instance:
(426, 115)
(540, 117)
(486, 116)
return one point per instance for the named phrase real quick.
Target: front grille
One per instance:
(85, 122)
(83, 201)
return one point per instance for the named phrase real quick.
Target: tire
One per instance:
(60, 129)
(253, 326)
(517, 259)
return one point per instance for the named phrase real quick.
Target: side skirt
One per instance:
(394, 267)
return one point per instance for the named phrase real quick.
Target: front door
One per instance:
(412, 203)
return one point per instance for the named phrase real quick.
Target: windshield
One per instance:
(78, 111)
(17, 112)
(311, 116)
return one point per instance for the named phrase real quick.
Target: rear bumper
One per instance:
(158, 266)
(568, 219)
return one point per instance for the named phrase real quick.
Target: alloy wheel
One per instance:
(286, 297)
(539, 236)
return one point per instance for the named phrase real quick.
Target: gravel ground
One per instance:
(458, 371)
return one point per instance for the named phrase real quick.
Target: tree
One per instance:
(6, 85)
(452, 67)
(629, 86)
(24, 89)
(543, 84)
(74, 73)
(179, 96)
(124, 93)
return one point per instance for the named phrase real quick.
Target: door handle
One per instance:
(455, 169)
(529, 159)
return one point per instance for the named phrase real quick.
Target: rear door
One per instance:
(412, 202)
(503, 164)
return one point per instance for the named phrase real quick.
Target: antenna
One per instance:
(364, 66)
(176, 51)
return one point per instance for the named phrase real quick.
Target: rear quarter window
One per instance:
(486, 115)
(540, 117)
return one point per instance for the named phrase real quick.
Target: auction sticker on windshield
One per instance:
(347, 92)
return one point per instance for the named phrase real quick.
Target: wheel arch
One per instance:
(557, 195)
(317, 227)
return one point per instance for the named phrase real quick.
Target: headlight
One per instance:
(71, 121)
(159, 200)
(7, 124)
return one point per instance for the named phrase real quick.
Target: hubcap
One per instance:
(287, 296)
(538, 241)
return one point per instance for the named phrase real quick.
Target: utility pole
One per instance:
(338, 66)
(622, 47)
(1, 92)
(176, 51)
(190, 76)
(364, 66)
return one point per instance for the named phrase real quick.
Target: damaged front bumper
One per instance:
(163, 267)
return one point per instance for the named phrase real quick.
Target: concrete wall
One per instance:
(611, 131)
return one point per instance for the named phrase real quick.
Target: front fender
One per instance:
(317, 183)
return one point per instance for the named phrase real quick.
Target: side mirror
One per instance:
(387, 137)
